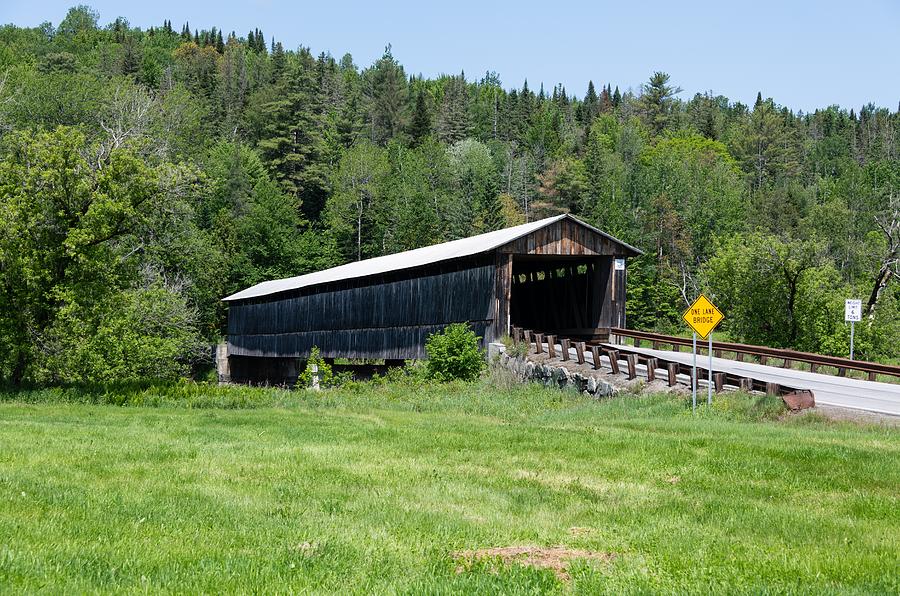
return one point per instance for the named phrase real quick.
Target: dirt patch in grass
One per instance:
(555, 558)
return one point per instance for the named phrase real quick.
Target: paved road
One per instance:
(871, 396)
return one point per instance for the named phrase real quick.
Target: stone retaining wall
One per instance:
(554, 375)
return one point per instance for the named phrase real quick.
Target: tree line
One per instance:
(146, 173)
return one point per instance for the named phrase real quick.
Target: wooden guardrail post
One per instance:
(719, 380)
(613, 360)
(787, 363)
(515, 335)
(763, 359)
(873, 376)
(651, 369)
(538, 343)
(579, 351)
(632, 365)
(746, 384)
(551, 346)
(527, 335)
(772, 389)
(672, 369)
(813, 367)
(595, 355)
(566, 344)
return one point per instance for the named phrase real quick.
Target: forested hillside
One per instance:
(145, 174)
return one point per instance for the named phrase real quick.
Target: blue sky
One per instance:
(805, 54)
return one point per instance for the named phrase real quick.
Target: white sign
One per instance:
(852, 310)
(620, 265)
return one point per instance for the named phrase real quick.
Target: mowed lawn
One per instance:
(375, 491)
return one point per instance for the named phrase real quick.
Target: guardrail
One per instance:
(673, 371)
(761, 353)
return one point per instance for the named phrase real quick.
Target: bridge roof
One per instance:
(418, 257)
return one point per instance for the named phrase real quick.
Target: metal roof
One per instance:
(411, 258)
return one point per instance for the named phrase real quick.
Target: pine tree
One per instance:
(589, 107)
(606, 99)
(386, 95)
(656, 101)
(251, 41)
(279, 61)
(453, 120)
(420, 124)
(291, 138)
(186, 32)
(616, 98)
(220, 43)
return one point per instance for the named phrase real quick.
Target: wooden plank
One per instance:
(551, 346)
(719, 381)
(672, 369)
(579, 351)
(613, 360)
(565, 344)
(595, 355)
(631, 359)
(652, 364)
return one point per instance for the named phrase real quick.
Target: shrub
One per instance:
(514, 349)
(454, 354)
(326, 375)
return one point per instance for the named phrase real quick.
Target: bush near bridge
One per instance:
(374, 488)
(454, 354)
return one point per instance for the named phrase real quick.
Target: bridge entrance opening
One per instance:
(573, 297)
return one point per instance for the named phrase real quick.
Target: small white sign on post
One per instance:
(619, 265)
(852, 313)
(852, 310)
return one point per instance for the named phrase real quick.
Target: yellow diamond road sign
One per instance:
(702, 316)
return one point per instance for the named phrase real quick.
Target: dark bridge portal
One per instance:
(571, 296)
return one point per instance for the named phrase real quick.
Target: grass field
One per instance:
(374, 490)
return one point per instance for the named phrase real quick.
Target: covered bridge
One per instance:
(555, 275)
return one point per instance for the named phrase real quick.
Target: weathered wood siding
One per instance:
(387, 318)
(560, 277)
(565, 237)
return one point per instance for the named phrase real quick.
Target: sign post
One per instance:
(852, 313)
(694, 378)
(702, 316)
(709, 383)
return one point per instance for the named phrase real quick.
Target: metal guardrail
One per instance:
(763, 354)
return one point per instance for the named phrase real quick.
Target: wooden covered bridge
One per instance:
(558, 274)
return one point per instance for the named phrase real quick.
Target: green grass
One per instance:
(373, 489)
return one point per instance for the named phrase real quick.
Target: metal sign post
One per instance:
(852, 313)
(694, 378)
(702, 316)
(709, 381)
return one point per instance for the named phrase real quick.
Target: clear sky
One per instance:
(803, 53)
